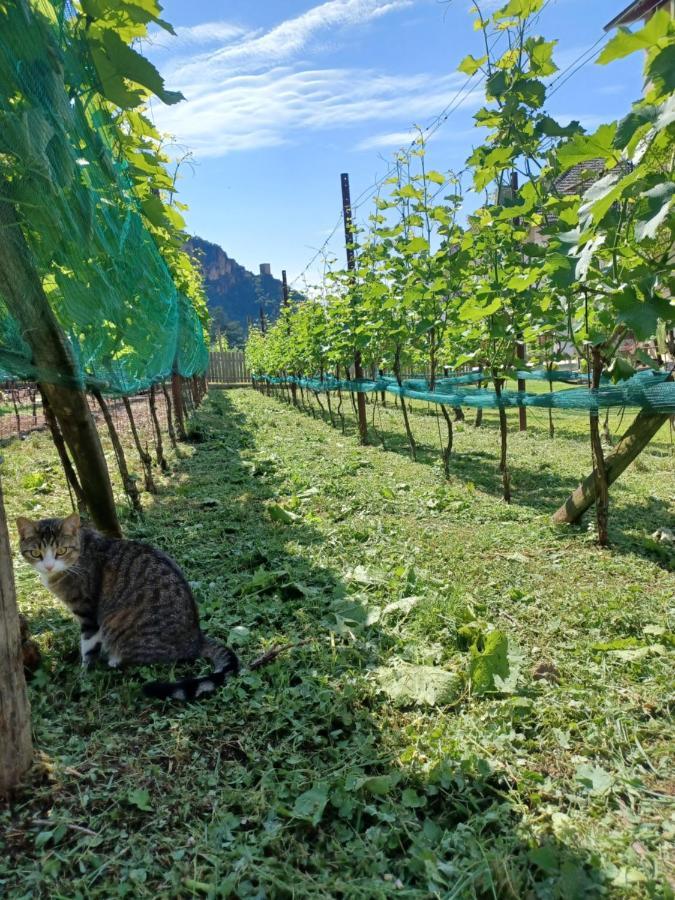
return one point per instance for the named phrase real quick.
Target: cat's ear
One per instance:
(25, 527)
(71, 524)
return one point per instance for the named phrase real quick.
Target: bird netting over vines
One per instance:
(79, 165)
(646, 390)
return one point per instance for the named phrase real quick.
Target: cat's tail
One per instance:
(224, 662)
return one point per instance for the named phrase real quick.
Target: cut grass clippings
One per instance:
(475, 704)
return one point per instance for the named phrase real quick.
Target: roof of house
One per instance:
(580, 177)
(638, 9)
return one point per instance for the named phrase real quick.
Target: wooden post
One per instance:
(287, 302)
(178, 406)
(33, 400)
(188, 405)
(169, 416)
(159, 448)
(62, 450)
(16, 749)
(351, 265)
(599, 469)
(21, 288)
(522, 386)
(284, 284)
(520, 346)
(479, 412)
(128, 482)
(143, 455)
(640, 433)
(17, 414)
(503, 464)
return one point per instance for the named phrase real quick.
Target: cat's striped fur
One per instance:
(132, 601)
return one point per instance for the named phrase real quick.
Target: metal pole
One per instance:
(351, 265)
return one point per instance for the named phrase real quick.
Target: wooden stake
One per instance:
(178, 406)
(16, 749)
(159, 448)
(284, 285)
(17, 415)
(520, 346)
(503, 432)
(169, 417)
(636, 438)
(62, 450)
(143, 455)
(129, 484)
(21, 287)
(351, 265)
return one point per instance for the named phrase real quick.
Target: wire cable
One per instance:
(561, 78)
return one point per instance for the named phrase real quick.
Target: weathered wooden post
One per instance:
(287, 303)
(636, 438)
(284, 285)
(178, 406)
(21, 288)
(16, 749)
(351, 265)
(520, 345)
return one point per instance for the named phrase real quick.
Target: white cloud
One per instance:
(160, 44)
(210, 33)
(261, 90)
(266, 109)
(283, 42)
(395, 139)
(391, 140)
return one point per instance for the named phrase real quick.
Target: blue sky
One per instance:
(283, 96)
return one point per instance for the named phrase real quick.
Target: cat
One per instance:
(132, 601)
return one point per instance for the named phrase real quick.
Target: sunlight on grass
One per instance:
(305, 778)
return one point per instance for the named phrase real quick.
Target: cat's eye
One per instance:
(61, 551)
(36, 554)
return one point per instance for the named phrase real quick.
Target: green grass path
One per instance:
(308, 778)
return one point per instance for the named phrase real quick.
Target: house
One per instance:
(640, 9)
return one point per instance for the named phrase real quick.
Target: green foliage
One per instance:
(91, 184)
(140, 798)
(310, 805)
(489, 660)
(533, 265)
(424, 685)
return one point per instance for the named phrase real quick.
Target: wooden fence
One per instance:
(228, 368)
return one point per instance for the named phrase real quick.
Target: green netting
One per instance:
(100, 267)
(549, 375)
(645, 390)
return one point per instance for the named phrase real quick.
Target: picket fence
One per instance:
(228, 368)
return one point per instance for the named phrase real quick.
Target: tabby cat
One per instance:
(132, 601)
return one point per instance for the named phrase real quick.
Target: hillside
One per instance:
(234, 293)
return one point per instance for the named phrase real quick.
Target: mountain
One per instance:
(234, 294)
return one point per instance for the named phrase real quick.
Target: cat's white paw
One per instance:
(89, 648)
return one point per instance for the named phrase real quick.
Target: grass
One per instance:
(307, 779)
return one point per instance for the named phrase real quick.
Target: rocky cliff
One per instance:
(234, 294)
